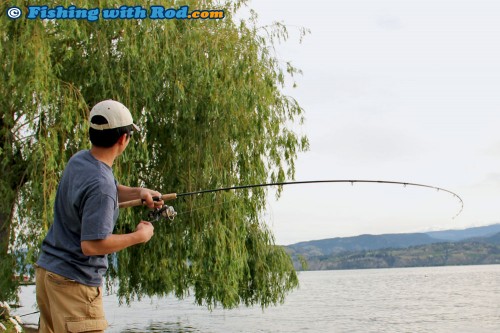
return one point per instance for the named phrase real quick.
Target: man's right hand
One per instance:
(114, 243)
(145, 230)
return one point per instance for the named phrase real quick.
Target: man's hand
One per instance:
(114, 243)
(145, 230)
(147, 195)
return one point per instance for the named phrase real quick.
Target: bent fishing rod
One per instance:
(168, 212)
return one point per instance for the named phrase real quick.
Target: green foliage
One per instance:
(207, 95)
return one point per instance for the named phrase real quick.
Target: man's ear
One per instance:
(122, 139)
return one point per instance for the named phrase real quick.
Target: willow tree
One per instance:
(208, 96)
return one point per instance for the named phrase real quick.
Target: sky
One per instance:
(402, 90)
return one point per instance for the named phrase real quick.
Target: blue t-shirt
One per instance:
(86, 208)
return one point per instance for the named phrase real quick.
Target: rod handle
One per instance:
(140, 202)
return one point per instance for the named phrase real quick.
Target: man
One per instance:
(73, 259)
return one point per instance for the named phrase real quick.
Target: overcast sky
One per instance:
(403, 90)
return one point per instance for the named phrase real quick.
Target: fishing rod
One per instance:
(169, 212)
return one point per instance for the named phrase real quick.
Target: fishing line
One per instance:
(207, 206)
(28, 314)
(114, 293)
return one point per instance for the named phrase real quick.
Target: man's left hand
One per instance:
(147, 195)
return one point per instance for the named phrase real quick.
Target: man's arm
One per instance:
(114, 243)
(126, 193)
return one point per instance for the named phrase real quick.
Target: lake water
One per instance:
(430, 299)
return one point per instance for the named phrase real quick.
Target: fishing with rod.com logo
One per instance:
(122, 13)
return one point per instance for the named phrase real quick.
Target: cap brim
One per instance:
(136, 128)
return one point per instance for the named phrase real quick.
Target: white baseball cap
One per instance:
(114, 112)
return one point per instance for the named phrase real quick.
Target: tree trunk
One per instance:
(8, 285)
(13, 177)
(4, 232)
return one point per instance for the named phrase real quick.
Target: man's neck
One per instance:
(105, 155)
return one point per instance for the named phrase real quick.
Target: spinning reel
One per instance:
(166, 212)
(157, 213)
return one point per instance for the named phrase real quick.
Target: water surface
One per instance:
(429, 299)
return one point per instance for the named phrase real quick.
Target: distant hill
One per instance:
(362, 242)
(375, 242)
(458, 235)
(479, 245)
(495, 239)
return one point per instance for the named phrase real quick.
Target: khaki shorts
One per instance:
(68, 306)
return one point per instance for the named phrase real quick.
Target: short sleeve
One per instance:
(97, 218)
